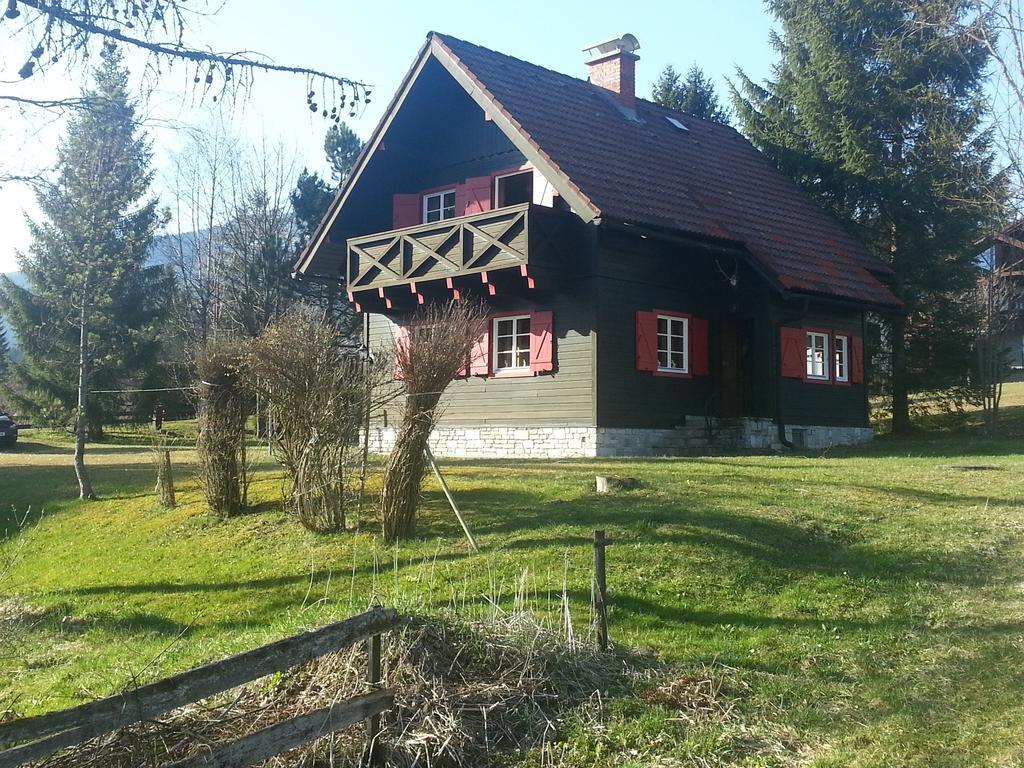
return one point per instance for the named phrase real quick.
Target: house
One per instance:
(1002, 263)
(657, 286)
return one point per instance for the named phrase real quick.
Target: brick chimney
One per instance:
(612, 65)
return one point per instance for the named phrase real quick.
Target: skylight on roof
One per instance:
(677, 124)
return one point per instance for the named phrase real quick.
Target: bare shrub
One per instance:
(319, 391)
(224, 405)
(438, 346)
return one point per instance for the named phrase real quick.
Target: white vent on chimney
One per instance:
(625, 44)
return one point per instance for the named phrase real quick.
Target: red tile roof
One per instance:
(708, 181)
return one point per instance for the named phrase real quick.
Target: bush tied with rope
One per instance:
(320, 392)
(435, 351)
(224, 406)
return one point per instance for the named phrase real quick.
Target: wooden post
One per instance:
(371, 753)
(600, 591)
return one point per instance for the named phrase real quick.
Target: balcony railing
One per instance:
(481, 242)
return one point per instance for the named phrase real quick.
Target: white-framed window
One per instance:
(511, 343)
(841, 355)
(817, 355)
(673, 344)
(514, 188)
(438, 206)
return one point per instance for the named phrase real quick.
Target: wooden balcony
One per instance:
(481, 242)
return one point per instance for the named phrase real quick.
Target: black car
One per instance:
(8, 431)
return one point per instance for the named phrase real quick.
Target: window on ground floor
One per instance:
(673, 346)
(817, 355)
(512, 343)
(841, 355)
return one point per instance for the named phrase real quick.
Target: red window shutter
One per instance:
(542, 345)
(406, 211)
(699, 347)
(856, 359)
(480, 357)
(794, 352)
(473, 196)
(401, 342)
(646, 341)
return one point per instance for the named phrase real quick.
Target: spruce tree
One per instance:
(87, 319)
(693, 94)
(877, 108)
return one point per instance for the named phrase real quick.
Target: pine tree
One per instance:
(88, 318)
(876, 107)
(342, 147)
(695, 94)
(310, 200)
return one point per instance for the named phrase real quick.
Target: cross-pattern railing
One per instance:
(477, 243)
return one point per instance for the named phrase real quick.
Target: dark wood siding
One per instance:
(642, 274)
(562, 397)
(825, 404)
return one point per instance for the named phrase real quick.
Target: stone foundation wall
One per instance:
(560, 442)
(497, 442)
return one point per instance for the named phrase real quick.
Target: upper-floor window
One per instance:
(673, 344)
(841, 354)
(511, 343)
(817, 355)
(514, 188)
(439, 205)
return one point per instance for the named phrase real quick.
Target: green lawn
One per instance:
(864, 608)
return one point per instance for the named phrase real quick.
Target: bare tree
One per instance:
(320, 390)
(440, 340)
(202, 176)
(259, 236)
(1003, 36)
(236, 237)
(1000, 296)
(66, 32)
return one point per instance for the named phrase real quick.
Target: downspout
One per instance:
(780, 423)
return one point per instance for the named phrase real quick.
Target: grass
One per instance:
(861, 608)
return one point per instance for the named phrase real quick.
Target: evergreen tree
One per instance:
(88, 318)
(342, 147)
(694, 94)
(876, 107)
(310, 199)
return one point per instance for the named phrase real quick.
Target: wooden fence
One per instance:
(32, 738)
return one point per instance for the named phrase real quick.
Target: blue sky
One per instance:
(375, 42)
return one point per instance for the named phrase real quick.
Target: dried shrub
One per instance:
(164, 476)
(464, 695)
(319, 391)
(438, 346)
(224, 406)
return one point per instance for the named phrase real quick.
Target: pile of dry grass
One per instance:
(464, 694)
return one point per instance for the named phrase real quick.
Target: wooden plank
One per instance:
(148, 701)
(34, 750)
(277, 739)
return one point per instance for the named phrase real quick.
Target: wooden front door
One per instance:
(734, 371)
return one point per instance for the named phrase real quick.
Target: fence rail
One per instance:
(43, 735)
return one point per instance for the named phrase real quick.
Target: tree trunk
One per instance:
(84, 483)
(403, 475)
(900, 387)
